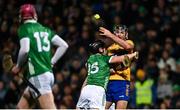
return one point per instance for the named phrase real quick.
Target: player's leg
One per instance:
(23, 102)
(122, 104)
(122, 95)
(92, 99)
(97, 98)
(83, 99)
(108, 104)
(109, 98)
(44, 83)
(112, 107)
(47, 101)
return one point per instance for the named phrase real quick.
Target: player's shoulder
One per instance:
(45, 27)
(49, 30)
(114, 46)
(22, 28)
(25, 26)
(97, 56)
(130, 42)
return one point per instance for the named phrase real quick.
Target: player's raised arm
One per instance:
(121, 42)
(62, 47)
(119, 59)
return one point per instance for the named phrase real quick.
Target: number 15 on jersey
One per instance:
(93, 68)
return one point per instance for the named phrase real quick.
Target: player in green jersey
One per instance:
(35, 51)
(93, 93)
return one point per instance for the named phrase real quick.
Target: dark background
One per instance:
(154, 27)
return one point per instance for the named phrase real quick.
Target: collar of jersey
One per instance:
(98, 54)
(30, 21)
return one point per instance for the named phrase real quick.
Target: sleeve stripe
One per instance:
(110, 59)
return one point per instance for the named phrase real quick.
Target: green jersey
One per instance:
(39, 56)
(98, 70)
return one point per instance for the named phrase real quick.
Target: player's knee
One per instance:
(108, 105)
(47, 104)
(18, 107)
(21, 106)
(121, 105)
(23, 103)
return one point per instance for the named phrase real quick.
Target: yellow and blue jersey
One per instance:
(119, 82)
(124, 73)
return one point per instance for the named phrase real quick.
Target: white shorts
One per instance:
(92, 96)
(42, 82)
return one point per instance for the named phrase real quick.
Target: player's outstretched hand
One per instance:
(104, 32)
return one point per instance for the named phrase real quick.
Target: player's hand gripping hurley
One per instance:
(8, 66)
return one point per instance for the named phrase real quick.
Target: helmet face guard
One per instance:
(121, 29)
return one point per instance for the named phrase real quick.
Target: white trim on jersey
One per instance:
(110, 59)
(30, 21)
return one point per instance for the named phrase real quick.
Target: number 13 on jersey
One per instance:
(43, 43)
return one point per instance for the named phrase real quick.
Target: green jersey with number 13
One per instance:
(98, 70)
(39, 56)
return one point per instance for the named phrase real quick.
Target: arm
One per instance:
(23, 54)
(119, 59)
(121, 42)
(62, 47)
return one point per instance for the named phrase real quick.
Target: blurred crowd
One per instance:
(154, 26)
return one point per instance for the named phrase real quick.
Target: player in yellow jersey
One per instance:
(119, 83)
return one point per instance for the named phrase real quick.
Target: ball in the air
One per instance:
(97, 16)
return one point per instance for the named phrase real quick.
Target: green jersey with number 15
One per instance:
(39, 56)
(98, 70)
